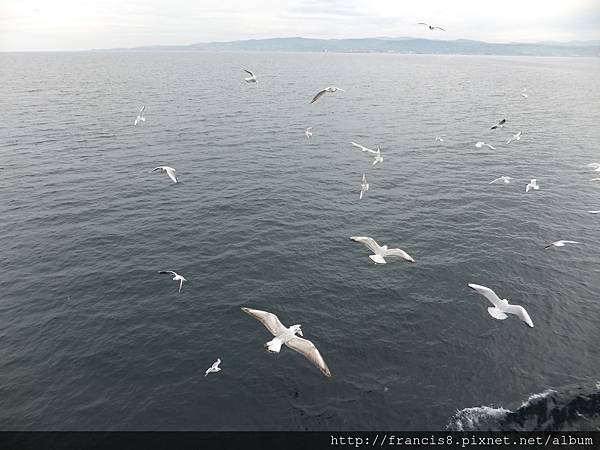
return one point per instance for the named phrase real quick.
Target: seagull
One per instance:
(532, 185)
(431, 27)
(364, 187)
(594, 212)
(176, 277)
(595, 166)
(440, 138)
(169, 171)
(560, 243)
(499, 124)
(327, 89)
(524, 93)
(501, 307)
(516, 137)
(140, 117)
(288, 337)
(381, 252)
(214, 368)
(595, 179)
(481, 144)
(503, 178)
(251, 78)
(377, 153)
(308, 133)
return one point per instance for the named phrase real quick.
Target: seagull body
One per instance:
(431, 27)
(524, 93)
(481, 144)
(595, 166)
(251, 78)
(176, 277)
(503, 179)
(140, 117)
(380, 253)
(214, 368)
(501, 307)
(287, 336)
(324, 91)
(516, 137)
(364, 187)
(595, 179)
(378, 157)
(594, 212)
(439, 138)
(532, 185)
(308, 132)
(168, 170)
(499, 124)
(560, 243)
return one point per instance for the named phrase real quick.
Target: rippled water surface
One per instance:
(91, 337)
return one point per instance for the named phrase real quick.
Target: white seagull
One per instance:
(140, 117)
(595, 166)
(176, 277)
(324, 91)
(251, 78)
(380, 253)
(503, 179)
(515, 137)
(594, 212)
(524, 93)
(501, 307)
(481, 144)
(440, 138)
(288, 337)
(308, 133)
(595, 179)
(168, 170)
(560, 243)
(499, 124)
(532, 185)
(377, 153)
(214, 368)
(431, 27)
(364, 187)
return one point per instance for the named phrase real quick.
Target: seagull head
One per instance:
(296, 329)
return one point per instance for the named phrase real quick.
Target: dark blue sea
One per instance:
(93, 338)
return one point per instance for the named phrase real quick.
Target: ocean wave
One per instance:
(571, 408)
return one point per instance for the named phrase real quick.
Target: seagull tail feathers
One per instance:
(497, 313)
(377, 259)
(274, 345)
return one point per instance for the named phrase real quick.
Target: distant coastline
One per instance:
(386, 45)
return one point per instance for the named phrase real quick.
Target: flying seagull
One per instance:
(503, 179)
(501, 307)
(324, 91)
(532, 185)
(288, 337)
(524, 93)
(431, 27)
(308, 133)
(364, 187)
(594, 179)
(481, 144)
(499, 124)
(381, 252)
(440, 138)
(560, 243)
(214, 368)
(594, 212)
(168, 170)
(176, 277)
(251, 78)
(595, 166)
(140, 117)
(515, 137)
(378, 157)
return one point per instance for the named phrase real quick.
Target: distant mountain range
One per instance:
(387, 45)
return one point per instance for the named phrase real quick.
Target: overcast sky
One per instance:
(86, 24)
